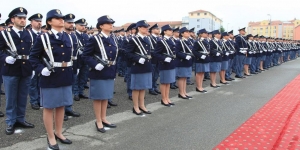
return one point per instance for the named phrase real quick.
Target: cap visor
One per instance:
(37, 19)
(69, 20)
(21, 15)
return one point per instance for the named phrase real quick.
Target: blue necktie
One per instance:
(146, 40)
(20, 32)
(59, 36)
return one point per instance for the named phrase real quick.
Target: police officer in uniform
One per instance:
(34, 92)
(56, 49)
(9, 23)
(215, 57)
(232, 54)
(83, 68)
(16, 71)
(121, 61)
(2, 26)
(103, 70)
(44, 29)
(132, 31)
(175, 38)
(154, 37)
(242, 49)
(139, 53)
(1, 113)
(69, 28)
(165, 53)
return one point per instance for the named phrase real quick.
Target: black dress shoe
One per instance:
(1, 114)
(102, 130)
(76, 98)
(203, 91)
(190, 83)
(35, 106)
(157, 91)
(66, 118)
(144, 111)
(226, 83)
(52, 147)
(247, 74)
(232, 79)
(153, 93)
(2, 93)
(111, 103)
(238, 77)
(179, 96)
(214, 86)
(173, 87)
(130, 97)
(190, 97)
(162, 102)
(136, 112)
(109, 125)
(108, 106)
(73, 113)
(204, 80)
(171, 104)
(83, 96)
(228, 79)
(86, 87)
(208, 78)
(253, 73)
(65, 141)
(24, 124)
(10, 129)
(176, 86)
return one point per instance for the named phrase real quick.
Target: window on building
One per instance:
(198, 26)
(205, 13)
(275, 27)
(274, 31)
(198, 20)
(198, 14)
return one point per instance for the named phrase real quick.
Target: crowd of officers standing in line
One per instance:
(53, 64)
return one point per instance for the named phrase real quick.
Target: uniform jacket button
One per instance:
(23, 62)
(63, 69)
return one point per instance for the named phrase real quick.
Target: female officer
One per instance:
(201, 52)
(165, 54)
(100, 54)
(225, 58)
(54, 47)
(215, 57)
(184, 58)
(138, 53)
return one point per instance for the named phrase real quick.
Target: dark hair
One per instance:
(48, 26)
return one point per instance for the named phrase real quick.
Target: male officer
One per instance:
(1, 113)
(121, 61)
(44, 29)
(175, 38)
(34, 90)
(131, 33)
(231, 57)
(2, 26)
(83, 68)
(16, 71)
(68, 28)
(242, 49)
(154, 37)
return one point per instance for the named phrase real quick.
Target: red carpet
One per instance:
(276, 126)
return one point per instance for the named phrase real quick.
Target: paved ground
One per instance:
(200, 123)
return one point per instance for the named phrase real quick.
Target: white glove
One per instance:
(226, 53)
(203, 56)
(10, 60)
(99, 67)
(168, 59)
(231, 52)
(250, 52)
(77, 71)
(218, 54)
(46, 72)
(33, 73)
(142, 60)
(188, 57)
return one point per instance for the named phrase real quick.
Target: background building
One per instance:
(196, 19)
(202, 19)
(276, 28)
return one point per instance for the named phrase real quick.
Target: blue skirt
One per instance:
(167, 76)
(247, 61)
(202, 67)
(182, 72)
(101, 89)
(56, 97)
(141, 81)
(263, 58)
(224, 65)
(215, 66)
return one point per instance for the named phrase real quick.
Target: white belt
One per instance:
(243, 48)
(74, 58)
(22, 57)
(62, 64)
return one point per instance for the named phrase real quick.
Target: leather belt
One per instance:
(26, 57)
(62, 64)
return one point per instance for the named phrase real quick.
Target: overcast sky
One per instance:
(234, 13)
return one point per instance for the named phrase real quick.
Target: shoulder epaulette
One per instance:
(50, 32)
(8, 30)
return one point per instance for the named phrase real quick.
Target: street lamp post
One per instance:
(270, 25)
